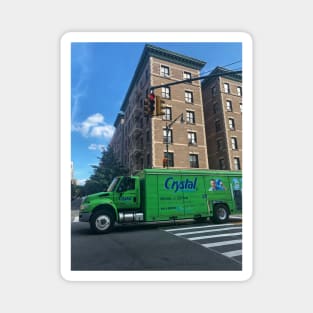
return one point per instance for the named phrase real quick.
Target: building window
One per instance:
(166, 92)
(190, 117)
(168, 114)
(188, 96)
(148, 137)
(236, 163)
(193, 160)
(214, 91)
(240, 105)
(222, 164)
(226, 88)
(229, 106)
(218, 125)
(167, 136)
(165, 71)
(192, 138)
(231, 123)
(170, 158)
(187, 75)
(234, 144)
(239, 91)
(220, 144)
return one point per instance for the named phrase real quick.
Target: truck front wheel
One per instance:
(220, 214)
(102, 222)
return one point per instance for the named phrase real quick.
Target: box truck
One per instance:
(162, 195)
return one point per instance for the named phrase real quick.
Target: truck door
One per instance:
(127, 194)
(236, 183)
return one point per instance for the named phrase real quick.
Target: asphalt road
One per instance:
(184, 246)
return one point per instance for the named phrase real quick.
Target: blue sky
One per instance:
(101, 74)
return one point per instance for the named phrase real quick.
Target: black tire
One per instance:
(220, 214)
(102, 222)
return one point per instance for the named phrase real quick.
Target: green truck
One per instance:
(162, 195)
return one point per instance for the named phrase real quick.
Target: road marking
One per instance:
(231, 254)
(206, 231)
(222, 243)
(76, 219)
(213, 244)
(207, 226)
(214, 236)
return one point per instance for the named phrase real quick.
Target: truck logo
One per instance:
(180, 185)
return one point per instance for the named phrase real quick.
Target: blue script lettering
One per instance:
(176, 185)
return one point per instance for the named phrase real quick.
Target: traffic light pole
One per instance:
(167, 127)
(192, 79)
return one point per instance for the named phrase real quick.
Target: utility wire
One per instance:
(239, 61)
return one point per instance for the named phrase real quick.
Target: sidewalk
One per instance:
(236, 216)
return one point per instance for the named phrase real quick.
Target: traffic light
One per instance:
(152, 102)
(159, 106)
(146, 107)
(148, 104)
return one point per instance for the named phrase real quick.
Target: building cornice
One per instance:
(163, 54)
(221, 72)
(118, 119)
(174, 57)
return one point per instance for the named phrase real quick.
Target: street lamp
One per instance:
(167, 128)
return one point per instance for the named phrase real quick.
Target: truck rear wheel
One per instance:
(220, 214)
(102, 222)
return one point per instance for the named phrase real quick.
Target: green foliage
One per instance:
(76, 191)
(104, 173)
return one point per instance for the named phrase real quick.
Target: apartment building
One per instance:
(222, 101)
(142, 142)
(73, 180)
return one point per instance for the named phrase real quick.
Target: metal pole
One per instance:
(167, 131)
(192, 79)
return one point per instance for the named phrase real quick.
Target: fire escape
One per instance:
(136, 140)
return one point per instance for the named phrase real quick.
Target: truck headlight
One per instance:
(83, 205)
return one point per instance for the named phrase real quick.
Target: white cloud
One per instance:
(95, 126)
(94, 146)
(106, 131)
(81, 182)
(80, 87)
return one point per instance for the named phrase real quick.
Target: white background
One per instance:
(30, 131)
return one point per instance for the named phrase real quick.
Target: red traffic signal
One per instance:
(151, 98)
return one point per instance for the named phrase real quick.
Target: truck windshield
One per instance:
(113, 184)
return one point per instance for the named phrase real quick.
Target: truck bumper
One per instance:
(84, 217)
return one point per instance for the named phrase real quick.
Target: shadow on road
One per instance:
(84, 228)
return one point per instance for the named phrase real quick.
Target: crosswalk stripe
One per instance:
(206, 231)
(214, 236)
(221, 243)
(197, 227)
(231, 254)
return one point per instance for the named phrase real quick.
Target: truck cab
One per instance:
(121, 202)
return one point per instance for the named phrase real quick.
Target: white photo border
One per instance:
(65, 156)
